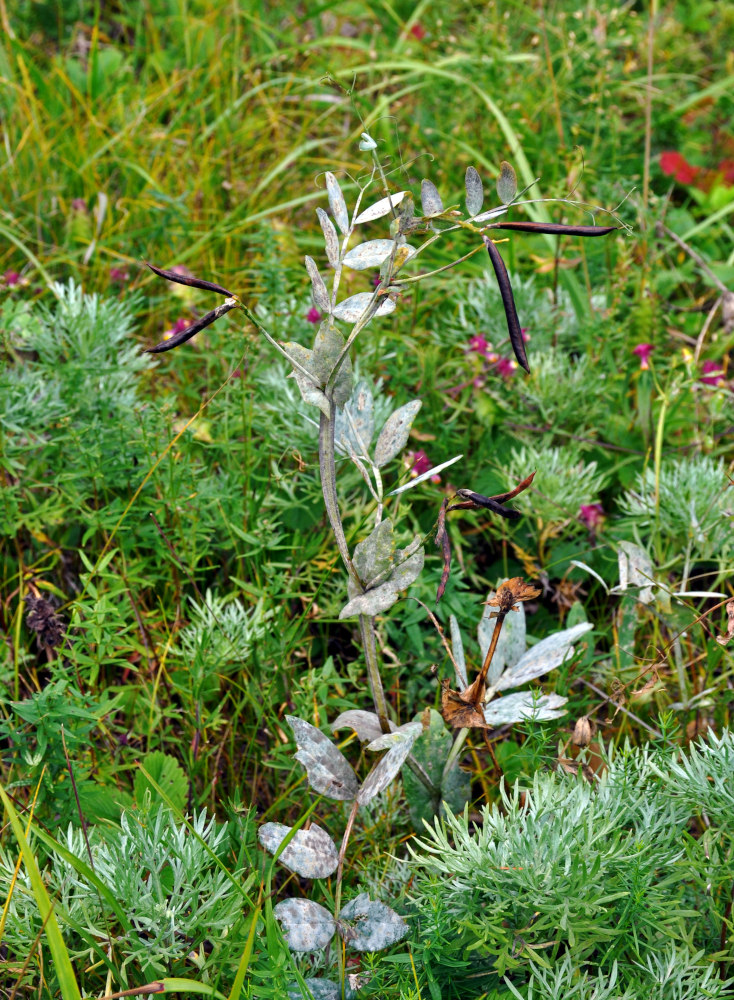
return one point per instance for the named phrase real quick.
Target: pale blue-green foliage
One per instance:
(165, 878)
(565, 481)
(221, 633)
(688, 506)
(603, 871)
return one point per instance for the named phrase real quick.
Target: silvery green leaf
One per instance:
(318, 288)
(327, 348)
(308, 386)
(430, 198)
(424, 475)
(588, 569)
(367, 143)
(306, 925)
(457, 648)
(636, 570)
(545, 656)
(331, 240)
(365, 724)
(310, 854)
(370, 926)
(409, 732)
(336, 203)
(394, 435)
(474, 191)
(408, 569)
(319, 989)
(328, 770)
(385, 770)
(453, 788)
(368, 255)
(511, 644)
(516, 707)
(374, 555)
(351, 309)
(506, 183)
(382, 597)
(355, 423)
(382, 207)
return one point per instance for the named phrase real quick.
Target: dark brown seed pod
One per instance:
(554, 229)
(513, 323)
(474, 500)
(191, 331)
(183, 279)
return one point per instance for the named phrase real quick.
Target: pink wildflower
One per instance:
(592, 514)
(643, 352)
(479, 344)
(178, 327)
(420, 463)
(418, 31)
(11, 278)
(118, 275)
(713, 373)
(675, 164)
(376, 280)
(79, 205)
(313, 315)
(506, 367)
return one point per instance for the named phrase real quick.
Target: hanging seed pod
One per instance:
(513, 323)
(191, 331)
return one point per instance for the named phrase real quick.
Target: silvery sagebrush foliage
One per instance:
(568, 886)
(378, 570)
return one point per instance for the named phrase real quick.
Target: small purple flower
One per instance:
(479, 344)
(420, 463)
(79, 205)
(713, 373)
(592, 514)
(11, 278)
(643, 352)
(506, 367)
(376, 280)
(119, 276)
(313, 315)
(178, 327)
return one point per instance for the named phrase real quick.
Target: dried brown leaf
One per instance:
(724, 639)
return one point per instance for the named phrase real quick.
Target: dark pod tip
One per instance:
(555, 229)
(513, 323)
(185, 279)
(191, 331)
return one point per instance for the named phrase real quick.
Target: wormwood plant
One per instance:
(377, 568)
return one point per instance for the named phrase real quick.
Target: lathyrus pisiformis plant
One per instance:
(377, 570)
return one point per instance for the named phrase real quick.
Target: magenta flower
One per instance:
(506, 367)
(79, 205)
(592, 514)
(419, 463)
(479, 344)
(118, 275)
(313, 315)
(713, 373)
(643, 352)
(11, 278)
(178, 327)
(376, 281)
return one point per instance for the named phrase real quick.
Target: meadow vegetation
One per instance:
(309, 687)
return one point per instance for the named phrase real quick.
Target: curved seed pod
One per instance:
(513, 323)
(553, 228)
(184, 279)
(191, 331)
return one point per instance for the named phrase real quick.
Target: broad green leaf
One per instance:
(506, 183)
(307, 385)
(336, 203)
(474, 191)
(431, 752)
(168, 774)
(382, 207)
(306, 925)
(311, 853)
(351, 309)
(407, 733)
(388, 768)
(318, 288)
(394, 435)
(368, 925)
(374, 555)
(523, 705)
(382, 597)
(328, 770)
(331, 240)
(430, 198)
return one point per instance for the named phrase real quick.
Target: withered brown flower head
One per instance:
(511, 592)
